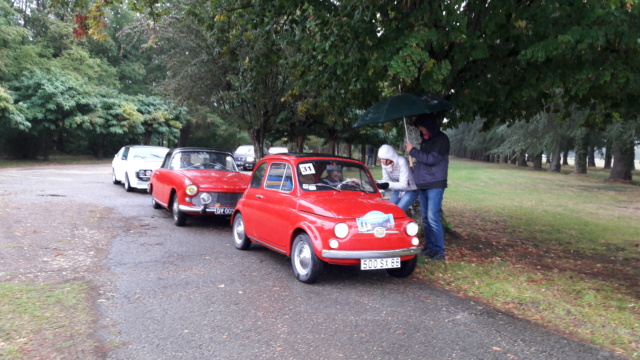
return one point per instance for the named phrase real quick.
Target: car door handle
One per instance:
(260, 196)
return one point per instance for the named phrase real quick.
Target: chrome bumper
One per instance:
(373, 254)
(206, 210)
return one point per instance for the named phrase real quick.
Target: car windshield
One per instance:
(244, 149)
(149, 153)
(326, 175)
(203, 160)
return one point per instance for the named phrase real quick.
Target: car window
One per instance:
(327, 175)
(203, 160)
(279, 177)
(258, 175)
(149, 153)
(125, 153)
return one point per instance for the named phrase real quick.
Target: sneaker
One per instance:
(429, 253)
(436, 257)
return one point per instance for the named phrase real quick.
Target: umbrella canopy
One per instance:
(402, 105)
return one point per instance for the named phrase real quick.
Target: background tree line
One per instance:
(527, 77)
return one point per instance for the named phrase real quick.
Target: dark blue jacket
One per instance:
(432, 166)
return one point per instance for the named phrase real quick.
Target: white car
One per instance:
(278, 150)
(133, 165)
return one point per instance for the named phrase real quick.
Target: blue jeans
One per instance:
(405, 200)
(430, 204)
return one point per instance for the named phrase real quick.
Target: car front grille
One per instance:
(223, 199)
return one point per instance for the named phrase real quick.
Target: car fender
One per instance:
(313, 234)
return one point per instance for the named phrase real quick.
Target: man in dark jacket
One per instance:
(430, 175)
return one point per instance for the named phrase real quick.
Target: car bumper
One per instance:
(139, 184)
(206, 210)
(370, 254)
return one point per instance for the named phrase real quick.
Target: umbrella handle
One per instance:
(406, 135)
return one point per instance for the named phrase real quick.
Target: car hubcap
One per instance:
(303, 258)
(239, 231)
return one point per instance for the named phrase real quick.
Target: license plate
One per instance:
(223, 211)
(375, 264)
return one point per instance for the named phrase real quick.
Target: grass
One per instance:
(558, 249)
(35, 315)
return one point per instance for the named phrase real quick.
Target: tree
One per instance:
(53, 102)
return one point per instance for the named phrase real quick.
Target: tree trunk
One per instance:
(522, 159)
(185, 132)
(300, 139)
(607, 157)
(555, 162)
(591, 162)
(580, 160)
(349, 150)
(537, 161)
(622, 163)
(565, 157)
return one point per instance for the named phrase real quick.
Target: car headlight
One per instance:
(250, 159)
(191, 190)
(412, 229)
(341, 230)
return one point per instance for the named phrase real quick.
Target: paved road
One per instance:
(187, 293)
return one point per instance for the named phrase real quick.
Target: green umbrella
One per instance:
(402, 105)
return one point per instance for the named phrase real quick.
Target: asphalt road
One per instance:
(187, 293)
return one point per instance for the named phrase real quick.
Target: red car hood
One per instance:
(216, 180)
(348, 207)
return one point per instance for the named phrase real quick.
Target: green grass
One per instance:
(594, 311)
(575, 219)
(568, 212)
(33, 317)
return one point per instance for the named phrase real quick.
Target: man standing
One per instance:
(430, 174)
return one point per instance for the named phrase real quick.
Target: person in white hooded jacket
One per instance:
(397, 176)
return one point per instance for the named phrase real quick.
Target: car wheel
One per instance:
(406, 268)
(127, 184)
(113, 177)
(306, 265)
(154, 204)
(240, 239)
(179, 218)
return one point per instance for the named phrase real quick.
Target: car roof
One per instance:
(194, 148)
(147, 146)
(303, 156)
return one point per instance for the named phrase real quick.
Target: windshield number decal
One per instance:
(307, 169)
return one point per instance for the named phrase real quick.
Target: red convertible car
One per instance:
(321, 209)
(197, 181)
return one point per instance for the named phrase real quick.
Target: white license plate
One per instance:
(375, 264)
(223, 211)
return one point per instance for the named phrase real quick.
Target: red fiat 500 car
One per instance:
(197, 181)
(321, 209)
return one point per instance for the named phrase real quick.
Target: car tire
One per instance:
(154, 204)
(406, 268)
(179, 218)
(127, 184)
(307, 267)
(240, 239)
(113, 177)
